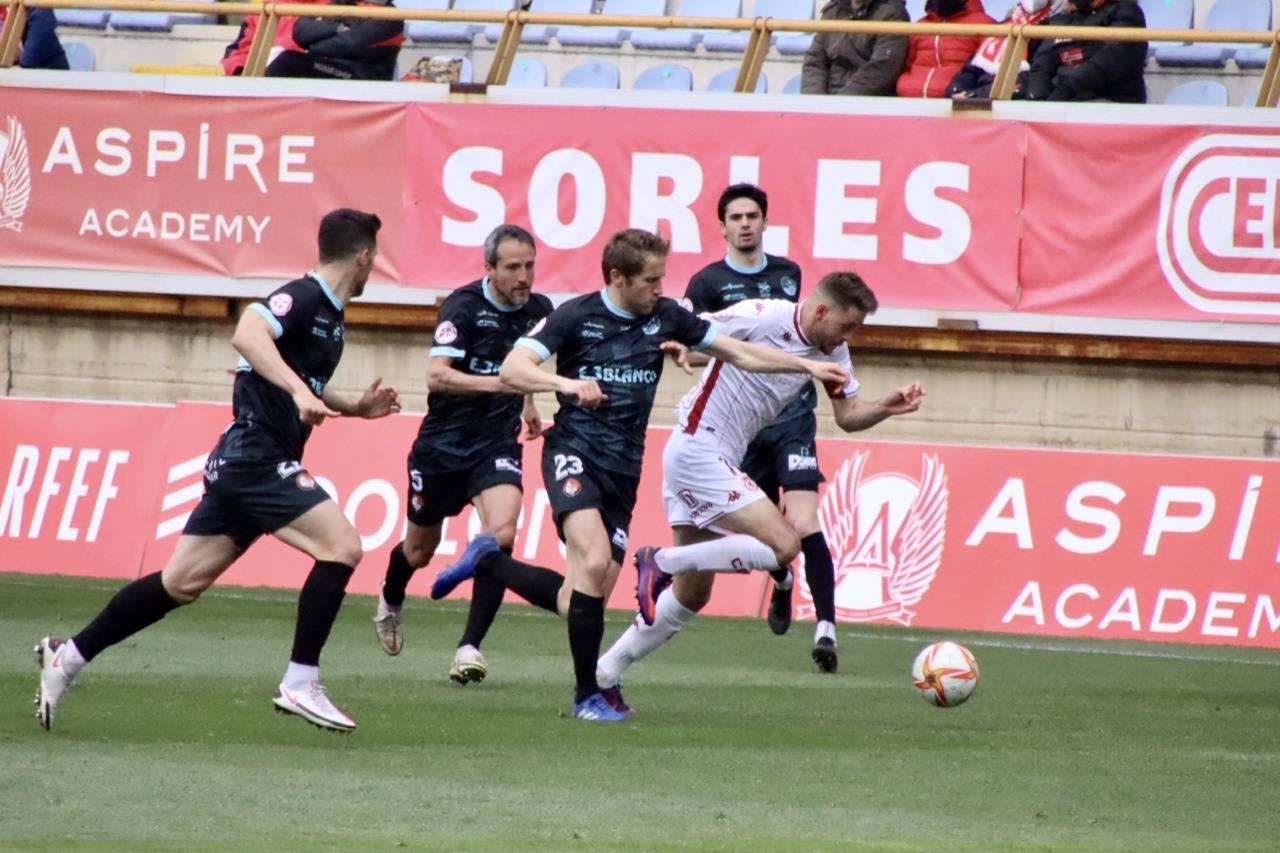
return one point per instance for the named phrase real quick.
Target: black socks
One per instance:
(820, 572)
(486, 598)
(138, 605)
(398, 573)
(536, 585)
(586, 631)
(318, 606)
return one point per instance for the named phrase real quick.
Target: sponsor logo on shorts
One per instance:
(801, 462)
(506, 463)
(446, 333)
(288, 469)
(571, 487)
(620, 538)
(696, 507)
(305, 481)
(280, 304)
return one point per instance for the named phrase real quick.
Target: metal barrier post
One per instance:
(1015, 47)
(263, 40)
(1267, 91)
(753, 57)
(504, 55)
(11, 36)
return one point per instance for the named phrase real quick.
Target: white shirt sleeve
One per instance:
(841, 357)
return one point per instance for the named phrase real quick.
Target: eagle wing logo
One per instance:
(15, 176)
(886, 533)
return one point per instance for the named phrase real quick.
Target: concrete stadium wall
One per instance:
(1116, 406)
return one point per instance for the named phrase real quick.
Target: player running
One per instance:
(719, 516)
(467, 449)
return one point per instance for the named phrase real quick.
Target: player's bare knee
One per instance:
(185, 590)
(417, 555)
(346, 548)
(786, 546)
(505, 533)
(693, 589)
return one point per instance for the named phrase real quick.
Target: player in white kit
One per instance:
(720, 519)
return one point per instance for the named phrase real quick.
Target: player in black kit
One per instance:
(254, 481)
(782, 459)
(467, 450)
(609, 348)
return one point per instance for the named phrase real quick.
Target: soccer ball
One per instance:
(945, 674)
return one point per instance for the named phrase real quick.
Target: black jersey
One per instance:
(718, 286)
(306, 319)
(477, 333)
(595, 339)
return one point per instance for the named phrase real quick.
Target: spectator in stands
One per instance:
(932, 60)
(233, 59)
(40, 47)
(1091, 70)
(975, 78)
(343, 48)
(855, 63)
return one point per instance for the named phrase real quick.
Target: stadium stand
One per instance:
(528, 74)
(685, 39)
(450, 30)
(665, 78)
(535, 34)
(1206, 93)
(724, 81)
(592, 75)
(610, 36)
(1224, 15)
(93, 19)
(79, 56)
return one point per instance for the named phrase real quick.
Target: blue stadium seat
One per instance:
(1251, 94)
(158, 22)
(1198, 93)
(591, 75)
(792, 86)
(723, 82)
(94, 19)
(538, 34)
(1167, 15)
(1223, 15)
(418, 30)
(796, 10)
(685, 39)
(1252, 56)
(455, 31)
(79, 56)
(665, 78)
(527, 74)
(915, 9)
(610, 36)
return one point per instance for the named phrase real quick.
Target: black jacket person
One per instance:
(343, 48)
(1072, 70)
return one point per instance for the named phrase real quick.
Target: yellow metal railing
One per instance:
(760, 31)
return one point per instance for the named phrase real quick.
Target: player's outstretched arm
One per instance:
(754, 358)
(254, 340)
(443, 377)
(532, 420)
(377, 401)
(854, 413)
(521, 371)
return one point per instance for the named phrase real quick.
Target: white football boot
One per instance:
(313, 705)
(468, 666)
(386, 625)
(53, 680)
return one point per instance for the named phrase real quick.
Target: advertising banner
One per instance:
(1060, 543)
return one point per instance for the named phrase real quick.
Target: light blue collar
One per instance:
(328, 291)
(621, 312)
(764, 262)
(488, 297)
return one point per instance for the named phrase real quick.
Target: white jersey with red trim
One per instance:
(733, 405)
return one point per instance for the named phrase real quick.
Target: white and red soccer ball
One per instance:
(945, 674)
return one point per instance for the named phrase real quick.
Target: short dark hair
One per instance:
(848, 290)
(626, 251)
(504, 232)
(345, 232)
(737, 191)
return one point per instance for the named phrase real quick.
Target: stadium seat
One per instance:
(915, 9)
(797, 10)
(591, 75)
(1167, 15)
(666, 78)
(723, 82)
(685, 39)
(1252, 56)
(610, 36)
(421, 30)
(451, 30)
(158, 22)
(1198, 93)
(1251, 94)
(537, 34)
(1223, 15)
(527, 74)
(792, 86)
(93, 19)
(79, 56)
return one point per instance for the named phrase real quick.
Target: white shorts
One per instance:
(700, 483)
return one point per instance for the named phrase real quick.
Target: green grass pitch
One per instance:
(169, 742)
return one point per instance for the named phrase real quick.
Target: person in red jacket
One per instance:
(932, 60)
(233, 59)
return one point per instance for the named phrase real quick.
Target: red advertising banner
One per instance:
(1154, 548)
(170, 183)
(1152, 222)
(926, 208)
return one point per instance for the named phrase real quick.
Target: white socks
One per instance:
(736, 553)
(72, 660)
(640, 639)
(824, 629)
(298, 677)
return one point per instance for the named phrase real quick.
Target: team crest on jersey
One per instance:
(305, 481)
(417, 503)
(789, 286)
(652, 327)
(571, 487)
(280, 304)
(446, 333)
(886, 532)
(15, 175)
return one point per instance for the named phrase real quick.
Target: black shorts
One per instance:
(244, 500)
(573, 483)
(436, 494)
(783, 457)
